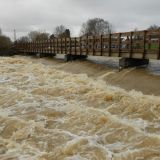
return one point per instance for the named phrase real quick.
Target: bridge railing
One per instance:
(140, 44)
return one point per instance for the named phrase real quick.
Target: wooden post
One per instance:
(39, 47)
(75, 45)
(25, 48)
(93, 43)
(144, 44)
(101, 43)
(48, 46)
(42, 47)
(45, 46)
(57, 46)
(119, 45)
(80, 45)
(131, 45)
(36, 46)
(65, 46)
(28, 46)
(39, 50)
(54, 46)
(47, 43)
(109, 44)
(158, 46)
(70, 46)
(51, 46)
(31, 47)
(149, 42)
(61, 46)
(87, 45)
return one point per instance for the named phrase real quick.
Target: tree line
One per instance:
(95, 26)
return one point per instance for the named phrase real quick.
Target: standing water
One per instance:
(48, 114)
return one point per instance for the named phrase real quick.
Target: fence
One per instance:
(140, 44)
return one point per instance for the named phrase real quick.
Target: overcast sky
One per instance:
(44, 15)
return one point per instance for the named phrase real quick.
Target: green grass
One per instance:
(153, 46)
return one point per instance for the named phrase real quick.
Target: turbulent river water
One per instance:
(48, 114)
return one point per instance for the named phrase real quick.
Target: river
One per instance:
(47, 113)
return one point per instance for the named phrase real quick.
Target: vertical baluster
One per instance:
(101, 43)
(109, 46)
(131, 45)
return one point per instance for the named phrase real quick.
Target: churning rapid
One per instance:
(48, 114)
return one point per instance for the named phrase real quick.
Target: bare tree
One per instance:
(42, 36)
(5, 42)
(66, 33)
(36, 35)
(32, 35)
(154, 27)
(23, 39)
(61, 31)
(52, 36)
(96, 26)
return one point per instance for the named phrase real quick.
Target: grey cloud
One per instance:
(125, 15)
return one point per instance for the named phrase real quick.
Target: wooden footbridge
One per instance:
(134, 47)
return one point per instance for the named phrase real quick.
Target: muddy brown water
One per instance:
(51, 110)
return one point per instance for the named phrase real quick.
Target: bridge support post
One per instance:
(41, 55)
(132, 62)
(70, 57)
